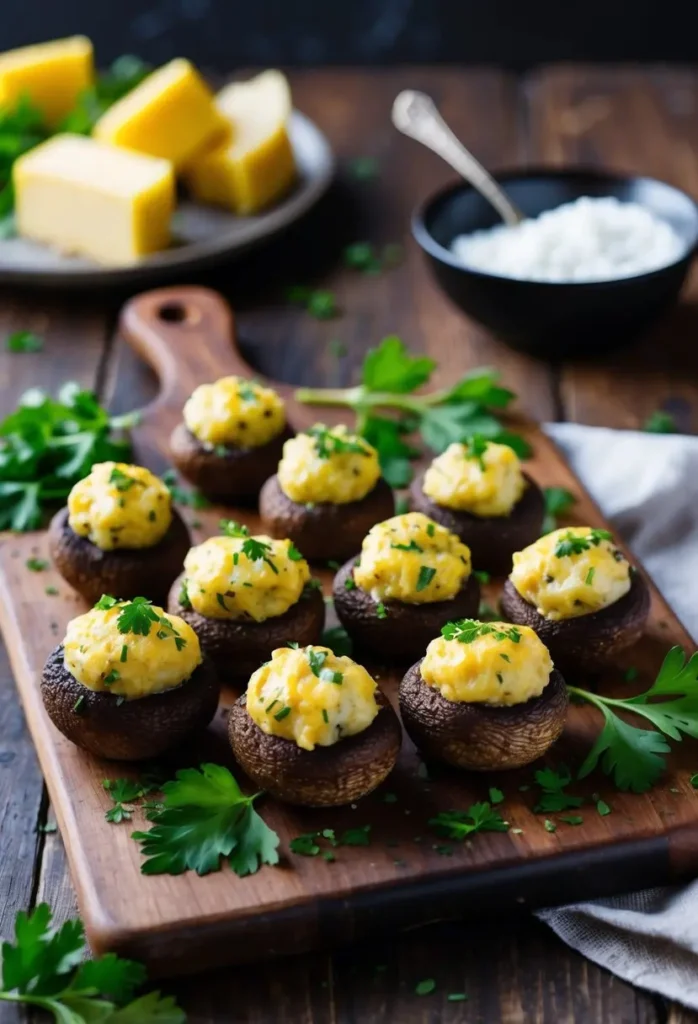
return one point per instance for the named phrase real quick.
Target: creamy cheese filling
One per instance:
(104, 656)
(120, 506)
(411, 558)
(234, 412)
(487, 663)
(479, 477)
(570, 572)
(243, 577)
(328, 465)
(311, 697)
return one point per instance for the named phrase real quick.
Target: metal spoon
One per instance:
(415, 115)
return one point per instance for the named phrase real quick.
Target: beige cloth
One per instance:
(647, 487)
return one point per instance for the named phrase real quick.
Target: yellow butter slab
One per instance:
(257, 166)
(52, 75)
(171, 114)
(95, 200)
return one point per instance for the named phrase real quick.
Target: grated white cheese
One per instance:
(591, 239)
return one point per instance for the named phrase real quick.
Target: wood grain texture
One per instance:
(186, 923)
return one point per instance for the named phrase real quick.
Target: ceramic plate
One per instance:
(204, 235)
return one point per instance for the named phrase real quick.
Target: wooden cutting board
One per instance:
(404, 877)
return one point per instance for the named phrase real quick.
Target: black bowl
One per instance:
(556, 320)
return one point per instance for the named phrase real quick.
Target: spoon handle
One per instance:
(415, 115)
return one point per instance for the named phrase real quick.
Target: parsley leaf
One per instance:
(553, 797)
(45, 967)
(558, 502)
(426, 575)
(465, 631)
(480, 817)
(389, 376)
(634, 757)
(36, 564)
(206, 817)
(574, 544)
(47, 445)
(137, 616)
(660, 422)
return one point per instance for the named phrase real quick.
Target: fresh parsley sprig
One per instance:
(465, 631)
(390, 375)
(635, 757)
(45, 967)
(206, 817)
(48, 444)
(574, 544)
(139, 616)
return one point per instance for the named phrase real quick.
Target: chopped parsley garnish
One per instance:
(426, 575)
(254, 549)
(221, 601)
(325, 716)
(229, 528)
(381, 611)
(205, 816)
(36, 564)
(465, 631)
(475, 448)
(571, 544)
(481, 575)
(329, 442)
(183, 597)
(112, 677)
(305, 845)
(480, 817)
(660, 422)
(124, 652)
(425, 987)
(329, 676)
(138, 616)
(247, 391)
(412, 546)
(338, 640)
(602, 808)
(51, 591)
(294, 554)
(431, 529)
(571, 819)
(192, 499)
(122, 481)
(284, 713)
(320, 303)
(549, 825)
(360, 836)
(496, 795)
(77, 706)
(349, 583)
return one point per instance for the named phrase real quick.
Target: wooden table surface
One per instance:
(643, 120)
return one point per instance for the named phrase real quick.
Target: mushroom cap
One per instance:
(122, 572)
(234, 475)
(133, 730)
(324, 530)
(482, 737)
(323, 777)
(238, 647)
(586, 640)
(407, 629)
(492, 539)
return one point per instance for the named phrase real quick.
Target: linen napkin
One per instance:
(647, 487)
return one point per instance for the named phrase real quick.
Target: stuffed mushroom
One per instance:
(411, 577)
(230, 439)
(478, 491)
(326, 494)
(314, 729)
(246, 595)
(119, 534)
(576, 588)
(485, 697)
(128, 682)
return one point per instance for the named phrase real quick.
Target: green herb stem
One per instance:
(360, 399)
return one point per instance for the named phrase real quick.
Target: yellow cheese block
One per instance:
(171, 114)
(95, 200)
(52, 75)
(257, 166)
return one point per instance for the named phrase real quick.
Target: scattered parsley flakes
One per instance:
(77, 706)
(293, 553)
(112, 677)
(206, 817)
(549, 825)
(360, 836)
(475, 449)
(496, 795)
(51, 591)
(124, 652)
(553, 784)
(603, 808)
(481, 576)
(660, 422)
(284, 713)
(305, 845)
(36, 564)
(425, 987)
(589, 578)
(381, 611)
(122, 481)
(572, 819)
(456, 997)
(24, 341)
(571, 544)
(349, 583)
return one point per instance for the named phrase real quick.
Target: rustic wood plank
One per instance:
(640, 121)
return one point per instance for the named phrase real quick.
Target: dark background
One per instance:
(223, 34)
